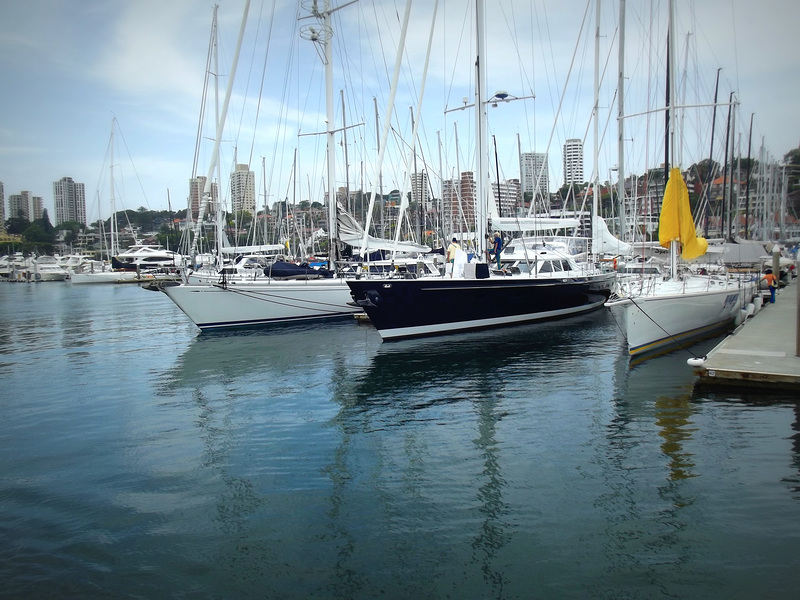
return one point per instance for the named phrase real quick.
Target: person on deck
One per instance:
(772, 282)
(451, 255)
(497, 247)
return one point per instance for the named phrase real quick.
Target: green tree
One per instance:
(45, 224)
(169, 237)
(16, 225)
(792, 161)
(36, 237)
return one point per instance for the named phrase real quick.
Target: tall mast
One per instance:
(481, 188)
(670, 123)
(324, 37)
(596, 116)
(333, 247)
(726, 173)
(621, 127)
(711, 170)
(114, 249)
(220, 128)
(747, 190)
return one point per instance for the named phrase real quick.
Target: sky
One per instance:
(69, 69)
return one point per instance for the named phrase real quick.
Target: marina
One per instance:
(143, 458)
(519, 341)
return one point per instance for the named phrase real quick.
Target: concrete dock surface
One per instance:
(762, 351)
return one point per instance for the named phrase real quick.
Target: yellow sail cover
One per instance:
(675, 222)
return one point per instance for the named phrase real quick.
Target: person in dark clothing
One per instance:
(497, 247)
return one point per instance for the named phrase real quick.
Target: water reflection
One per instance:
(494, 532)
(764, 400)
(291, 349)
(550, 349)
(794, 481)
(673, 418)
(414, 386)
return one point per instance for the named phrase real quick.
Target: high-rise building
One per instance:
(196, 187)
(2, 208)
(573, 162)
(70, 201)
(420, 192)
(25, 205)
(458, 202)
(535, 175)
(243, 189)
(507, 196)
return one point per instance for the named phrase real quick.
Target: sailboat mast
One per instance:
(596, 116)
(621, 127)
(747, 189)
(711, 170)
(114, 249)
(670, 123)
(481, 188)
(727, 171)
(331, 146)
(220, 128)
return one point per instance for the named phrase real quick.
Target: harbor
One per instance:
(518, 341)
(146, 459)
(763, 351)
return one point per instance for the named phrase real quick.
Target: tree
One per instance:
(35, 236)
(71, 230)
(45, 224)
(792, 161)
(16, 225)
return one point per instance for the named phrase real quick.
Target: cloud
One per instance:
(156, 51)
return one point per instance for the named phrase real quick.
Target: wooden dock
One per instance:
(763, 351)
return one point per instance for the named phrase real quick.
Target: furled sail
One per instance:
(351, 233)
(675, 222)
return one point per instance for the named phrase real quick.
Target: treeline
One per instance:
(37, 236)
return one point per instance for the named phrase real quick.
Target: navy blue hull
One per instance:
(403, 308)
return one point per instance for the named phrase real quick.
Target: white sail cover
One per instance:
(604, 242)
(352, 234)
(533, 223)
(263, 248)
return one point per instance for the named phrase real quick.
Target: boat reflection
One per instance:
(217, 356)
(402, 370)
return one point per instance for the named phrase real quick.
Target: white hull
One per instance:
(58, 274)
(262, 303)
(103, 277)
(674, 312)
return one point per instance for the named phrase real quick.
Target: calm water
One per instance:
(141, 459)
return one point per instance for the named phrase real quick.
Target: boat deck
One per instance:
(762, 351)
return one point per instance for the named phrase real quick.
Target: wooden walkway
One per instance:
(762, 351)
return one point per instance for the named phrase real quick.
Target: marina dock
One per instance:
(762, 351)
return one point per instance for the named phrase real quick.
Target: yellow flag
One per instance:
(675, 222)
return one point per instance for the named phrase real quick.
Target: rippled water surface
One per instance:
(141, 459)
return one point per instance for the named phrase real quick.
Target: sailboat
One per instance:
(658, 312)
(553, 286)
(106, 273)
(256, 301)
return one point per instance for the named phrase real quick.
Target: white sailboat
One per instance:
(106, 273)
(266, 300)
(660, 313)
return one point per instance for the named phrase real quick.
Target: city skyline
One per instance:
(102, 67)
